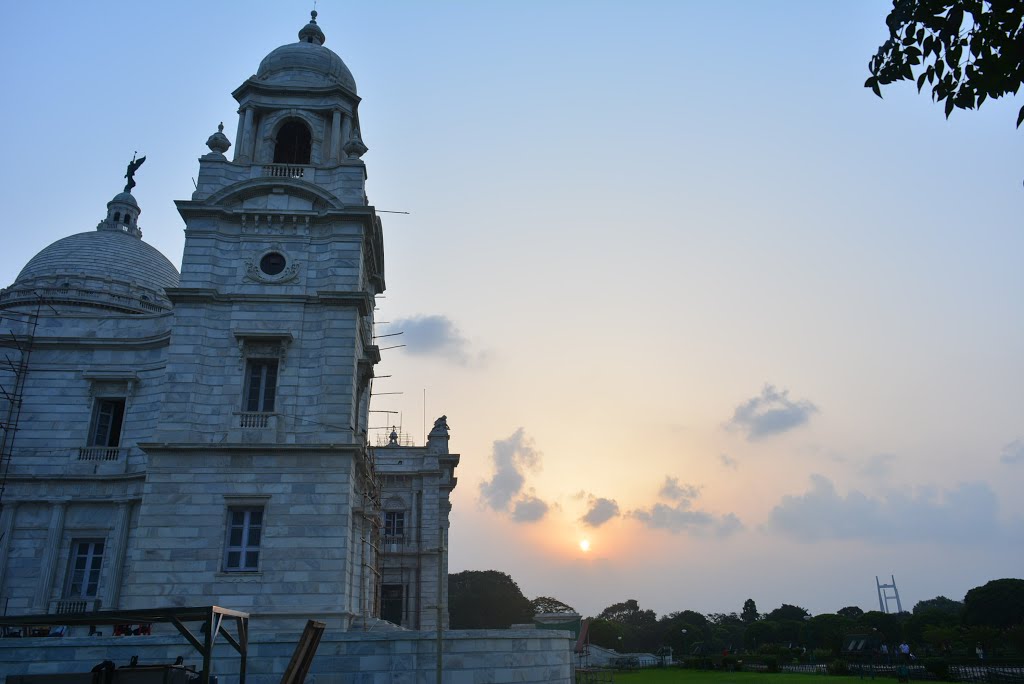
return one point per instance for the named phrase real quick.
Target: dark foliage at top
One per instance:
(968, 50)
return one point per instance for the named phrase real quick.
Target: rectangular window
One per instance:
(394, 524)
(245, 530)
(391, 603)
(84, 575)
(260, 385)
(107, 418)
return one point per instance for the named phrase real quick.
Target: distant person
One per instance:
(905, 651)
(883, 651)
(980, 651)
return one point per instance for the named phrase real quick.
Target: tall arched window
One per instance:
(294, 144)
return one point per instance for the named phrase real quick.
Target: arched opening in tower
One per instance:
(294, 144)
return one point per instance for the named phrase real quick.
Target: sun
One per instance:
(584, 545)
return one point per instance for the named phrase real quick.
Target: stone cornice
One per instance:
(115, 477)
(362, 301)
(203, 449)
(150, 342)
(307, 93)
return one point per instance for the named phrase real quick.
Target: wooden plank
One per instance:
(302, 658)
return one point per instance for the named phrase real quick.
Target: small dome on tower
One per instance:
(306, 63)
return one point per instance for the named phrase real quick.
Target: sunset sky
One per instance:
(683, 287)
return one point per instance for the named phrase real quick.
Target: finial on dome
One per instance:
(311, 33)
(218, 142)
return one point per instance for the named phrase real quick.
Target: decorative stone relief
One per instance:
(262, 345)
(272, 267)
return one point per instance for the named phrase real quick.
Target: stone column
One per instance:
(239, 154)
(48, 568)
(7, 530)
(335, 153)
(346, 133)
(248, 135)
(118, 548)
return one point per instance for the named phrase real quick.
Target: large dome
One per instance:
(109, 269)
(306, 63)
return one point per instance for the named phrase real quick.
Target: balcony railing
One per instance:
(287, 171)
(85, 605)
(95, 453)
(254, 420)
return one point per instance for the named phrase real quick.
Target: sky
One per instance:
(683, 287)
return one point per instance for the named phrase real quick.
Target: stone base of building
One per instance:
(403, 657)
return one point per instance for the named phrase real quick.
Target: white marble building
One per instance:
(201, 438)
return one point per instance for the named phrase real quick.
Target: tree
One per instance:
(851, 612)
(546, 604)
(606, 634)
(629, 613)
(999, 603)
(486, 599)
(973, 46)
(749, 613)
(939, 604)
(787, 612)
(825, 631)
(760, 633)
(640, 630)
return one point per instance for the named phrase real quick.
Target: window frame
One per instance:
(91, 576)
(245, 545)
(394, 525)
(260, 402)
(112, 428)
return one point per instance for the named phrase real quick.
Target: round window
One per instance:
(272, 263)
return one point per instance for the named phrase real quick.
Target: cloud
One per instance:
(728, 461)
(434, 335)
(771, 413)
(966, 514)
(680, 516)
(529, 509)
(600, 511)
(673, 491)
(1013, 452)
(877, 466)
(512, 457)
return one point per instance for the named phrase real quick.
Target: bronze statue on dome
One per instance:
(133, 166)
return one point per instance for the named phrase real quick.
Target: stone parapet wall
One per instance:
(470, 656)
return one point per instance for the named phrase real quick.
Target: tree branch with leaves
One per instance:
(967, 50)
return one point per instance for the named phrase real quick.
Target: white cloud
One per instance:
(680, 516)
(966, 514)
(512, 457)
(1013, 452)
(728, 461)
(529, 509)
(674, 491)
(877, 466)
(770, 413)
(600, 511)
(434, 335)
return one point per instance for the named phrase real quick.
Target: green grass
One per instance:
(684, 676)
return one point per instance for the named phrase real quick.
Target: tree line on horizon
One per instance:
(990, 615)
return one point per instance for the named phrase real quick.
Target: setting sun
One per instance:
(584, 545)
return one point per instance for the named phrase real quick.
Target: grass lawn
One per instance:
(685, 676)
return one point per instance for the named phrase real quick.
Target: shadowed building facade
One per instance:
(201, 438)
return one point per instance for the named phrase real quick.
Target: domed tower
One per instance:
(263, 426)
